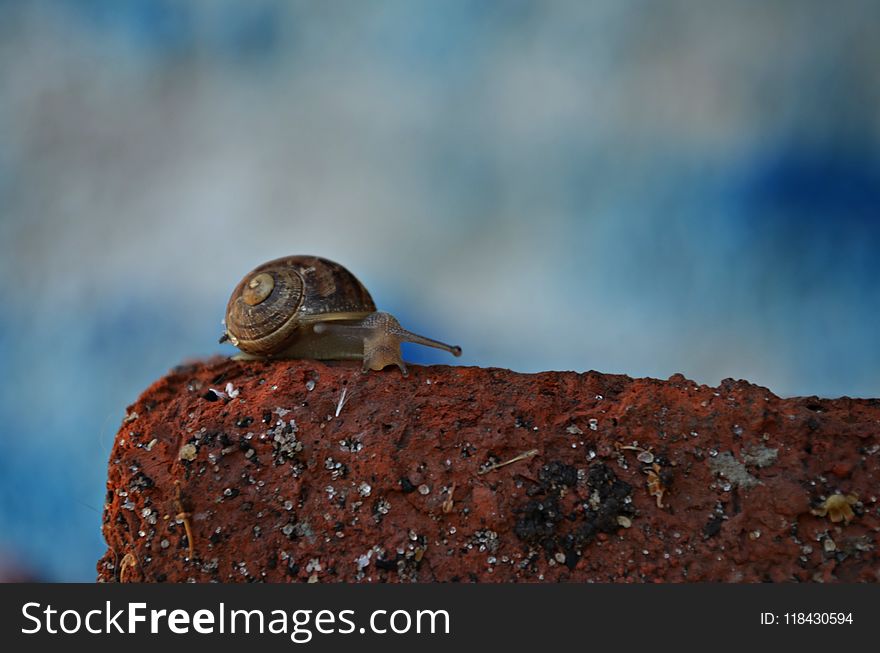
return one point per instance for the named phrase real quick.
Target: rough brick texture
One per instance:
(304, 471)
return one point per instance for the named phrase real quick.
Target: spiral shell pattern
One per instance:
(272, 302)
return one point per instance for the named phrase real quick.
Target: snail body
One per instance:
(309, 307)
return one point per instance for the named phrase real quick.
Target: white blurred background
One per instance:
(633, 187)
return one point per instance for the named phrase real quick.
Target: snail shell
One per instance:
(270, 307)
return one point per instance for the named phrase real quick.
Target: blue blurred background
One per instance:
(633, 187)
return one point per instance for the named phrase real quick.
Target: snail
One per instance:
(309, 307)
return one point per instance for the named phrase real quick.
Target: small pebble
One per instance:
(188, 452)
